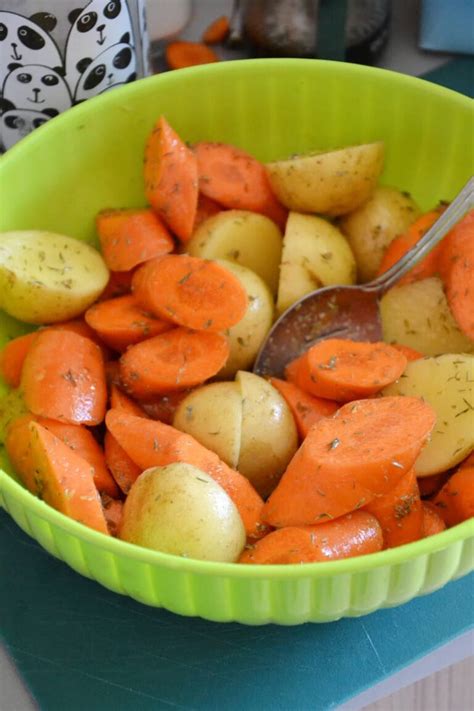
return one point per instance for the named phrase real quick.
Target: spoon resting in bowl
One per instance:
(350, 312)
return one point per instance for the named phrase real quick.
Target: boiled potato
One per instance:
(418, 315)
(246, 337)
(269, 437)
(332, 183)
(249, 239)
(212, 414)
(371, 228)
(447, 384)
(315, 254)
(47, 277)
(179, 509)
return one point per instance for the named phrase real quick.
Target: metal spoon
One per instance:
(348, 311)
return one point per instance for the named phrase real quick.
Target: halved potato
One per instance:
(47, 277)
(249, 239)
(418, 315)
(370, 229)
(212, 414)
(180, 509)
(269, 437)
(332, 183)
(246, 337)
(315, 254)
(447, 384)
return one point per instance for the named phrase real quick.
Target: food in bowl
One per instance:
(166, 325)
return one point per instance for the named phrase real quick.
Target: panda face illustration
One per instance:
(37, 87)
(17, 123)
(94, 29)
(23, 41)
(117, 65)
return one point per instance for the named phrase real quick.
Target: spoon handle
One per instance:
(463, 202)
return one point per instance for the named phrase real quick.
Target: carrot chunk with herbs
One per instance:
(120, 401)
(306, 409)
(123, 468)
(432, 521)
(12, 358)
(455, 501)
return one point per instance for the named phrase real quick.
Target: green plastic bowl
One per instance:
(91, 158)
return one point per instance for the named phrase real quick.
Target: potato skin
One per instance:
(179, 509)
(246, 337)
(370, 228)
(417, 315)
(332, 183)
(244, 237)
(212, 414)
(47, 277)
(315, 254)
(269, 436)
(444, 383)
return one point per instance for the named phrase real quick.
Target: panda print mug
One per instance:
(56, 53)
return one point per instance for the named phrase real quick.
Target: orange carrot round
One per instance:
(19, 451)
(429, 485)
(457, 272)
(345, 370)
(403, 243)
(79, 326)
(455, 501)
(171, 179)
(399, 512)
(63, 378)
(205, 208)
(163, 407)
(409, 353)
(120, 401)
(306, 409)
(346, 460)
(131, 237)
(123, 468)
(355, 534)
(122, 322)
(235, 179)
(175, 360)
(191, 292)
(432, 521)
(12, 358)
(181, 54)
(150, 443)
(217, 31)
(83, 443)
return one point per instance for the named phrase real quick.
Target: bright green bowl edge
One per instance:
(359, 564)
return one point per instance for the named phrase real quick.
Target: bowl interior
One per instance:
(91, 157)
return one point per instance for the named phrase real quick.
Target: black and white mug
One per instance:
(57, 53)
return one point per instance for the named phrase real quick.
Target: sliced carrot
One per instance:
(19, 451)
(457, 272)
(468, 462)
(235, 179)
(403, 243)
(113, 511)
(120, 401)
(171, 179)
(175, 360)
(112, 373)
(409, 353)
(181, 54)
(122, 322)
(217, 31)
(429, 485)
(191, 292)
(163, 407)
(205, 208)
(63, 378)
(345, 370)
(79, 326)
(150, 443)
(346, 460)
(119, 284)
(455, 501)
(357, 533)
(432, 521)
(131, 237)
(12, 358)
(124, 469)
(83, 443)
(399, 512)
(64, 480)
(306, 409)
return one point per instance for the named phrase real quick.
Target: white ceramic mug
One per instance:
(57, 53)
